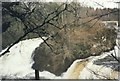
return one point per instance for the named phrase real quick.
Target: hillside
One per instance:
(14, 19)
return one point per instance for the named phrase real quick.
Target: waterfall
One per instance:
(17, 64)
(73, 71)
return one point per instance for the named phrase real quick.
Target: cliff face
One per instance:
(70, 44)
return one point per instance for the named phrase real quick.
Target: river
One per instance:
(17, 64)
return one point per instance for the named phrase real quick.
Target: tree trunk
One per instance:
(36, 75)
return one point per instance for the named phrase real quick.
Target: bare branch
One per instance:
(95, 22)
(97, 74)
(54, 25)
(7, 50)
(45, 41)
(97, 17)
(115, 57)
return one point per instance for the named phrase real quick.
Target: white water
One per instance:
(90, 70)
(17, 64)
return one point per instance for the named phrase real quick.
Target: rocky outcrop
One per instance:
(71, 44)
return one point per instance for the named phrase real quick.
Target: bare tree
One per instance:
(52, 18)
